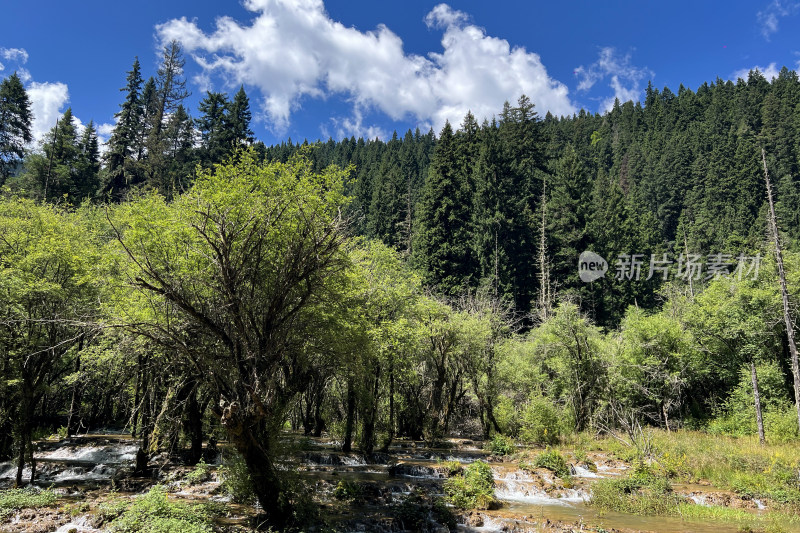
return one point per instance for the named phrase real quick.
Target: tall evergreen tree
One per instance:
(239, 117)
(15, 124)
(122, 146)
(442, 242)
(214, 126)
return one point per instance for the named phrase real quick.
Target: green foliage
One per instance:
(15, 124)
(474, 489)
(200, 474)
(12, 500)
(540, 422)
(235, 478)
(348, 490)
(501, 445)
(642, 494)
(154, 513)
(415, 511)
(552, 460)
(737, 417)
(450, 468)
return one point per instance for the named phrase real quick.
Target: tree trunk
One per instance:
(319, 422)
(347, 445)
(75, 401)
(757, 401)
(371, 414)
(136, 395)
(194, 427)
(784, 292)
(142, 454)
(258, 452)
(390, 429)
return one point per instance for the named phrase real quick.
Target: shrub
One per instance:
(737, 416)
(642, 493)
(501, 445)
(474, 489)
(553, 461)
(450, 468)
(539, 422)
(347, 490)
(154, 513)
(200, 474)
(417, 509)
(236, 479)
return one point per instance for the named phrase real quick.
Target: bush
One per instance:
(416, 510)
(450, 468)
(737, 416)
(200, 474)
(474, 489)
(501, 445)
(15, 499)
(236, 479)
(539, 422)
(348, 490)
(154, 513)
(553, 461)
(637, 494)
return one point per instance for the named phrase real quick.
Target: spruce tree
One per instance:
(15, 124)
(214, 127)
(239, 118)
(122, 146)
(442, 243)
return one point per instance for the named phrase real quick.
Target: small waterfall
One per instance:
(415, 471)
(79, 525)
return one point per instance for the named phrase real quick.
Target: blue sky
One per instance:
(342, 68)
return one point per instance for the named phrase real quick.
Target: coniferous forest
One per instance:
(256, 317)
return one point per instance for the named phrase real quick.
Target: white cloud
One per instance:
(624, 78)
(293, 49)
(769, 72)
(770, 16)
(17, 55)
(47, 99)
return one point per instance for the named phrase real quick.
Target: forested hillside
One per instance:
(188, 283)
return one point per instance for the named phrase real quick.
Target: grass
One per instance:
(741, 465)
(154, 513)
(449, 468)
(16, 499)
(642, 492)
(769, 521)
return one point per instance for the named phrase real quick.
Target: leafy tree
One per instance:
(258, 249)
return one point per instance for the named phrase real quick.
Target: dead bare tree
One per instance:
(773, 223)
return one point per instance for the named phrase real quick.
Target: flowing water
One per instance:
(529, 499)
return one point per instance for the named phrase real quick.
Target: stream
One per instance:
(530, 500)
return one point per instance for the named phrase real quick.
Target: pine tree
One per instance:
(168, 93)
(15, 124)
(442, 243)
(214, 126)
(53, 174)
(239, 117)
(87, 165)
(122, 146)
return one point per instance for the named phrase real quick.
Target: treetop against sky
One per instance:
(316, 69)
